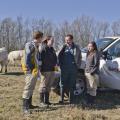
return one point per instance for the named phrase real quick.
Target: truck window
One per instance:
(114, 50)
(103, 43)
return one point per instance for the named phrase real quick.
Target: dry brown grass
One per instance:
(11, 87)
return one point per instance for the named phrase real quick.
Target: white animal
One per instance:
(3, 48)
(15, 55)
(3, 59)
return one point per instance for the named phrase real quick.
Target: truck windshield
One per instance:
(103, 43)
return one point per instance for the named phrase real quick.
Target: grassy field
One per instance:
(107, 105)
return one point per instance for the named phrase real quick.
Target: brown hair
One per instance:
(47, 38)
(94, 46)
(37, 34)
(70, 36)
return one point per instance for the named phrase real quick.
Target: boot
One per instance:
(47, 98)
(61, 101)
(90, 99)
(72, 97)
(26, 106)
(42, 99)
(30, 103)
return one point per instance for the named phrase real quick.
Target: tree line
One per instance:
(15, 33)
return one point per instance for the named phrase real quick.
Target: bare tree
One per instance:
(27, 35)
(116, 28)
(19, 31)
(14, 34)
(101, 29)
(58, 40)
(82, 29)
(7, 32)
(43, 25)
(59, 34)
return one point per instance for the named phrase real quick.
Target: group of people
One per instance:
(41, 59)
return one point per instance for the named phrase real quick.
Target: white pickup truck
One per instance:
(109, 62)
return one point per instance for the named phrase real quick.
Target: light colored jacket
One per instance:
(29, 61)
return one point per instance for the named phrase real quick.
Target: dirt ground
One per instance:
(107, 104)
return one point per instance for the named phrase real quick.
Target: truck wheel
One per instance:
(80, 83)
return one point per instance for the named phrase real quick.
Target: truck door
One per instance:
(110, 69)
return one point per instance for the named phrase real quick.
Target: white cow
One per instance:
(15, 55)
(3, 59)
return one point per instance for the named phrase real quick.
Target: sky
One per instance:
(60, 10)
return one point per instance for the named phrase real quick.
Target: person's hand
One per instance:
(35, 72)
(28, 72)
(39, 63)
(92, 73)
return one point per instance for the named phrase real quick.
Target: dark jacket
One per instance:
(76, 54)
(92, 63)
(48, 58)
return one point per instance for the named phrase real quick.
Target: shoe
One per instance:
(46, 100)
(43, 105)
(90, 99)
(30, 103)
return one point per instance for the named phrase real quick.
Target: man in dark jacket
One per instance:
(69, 61)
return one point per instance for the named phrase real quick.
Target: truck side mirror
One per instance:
(106, 55)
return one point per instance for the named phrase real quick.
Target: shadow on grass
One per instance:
(13, 73)
(104, 100)
(45, 109)
(61, 104)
